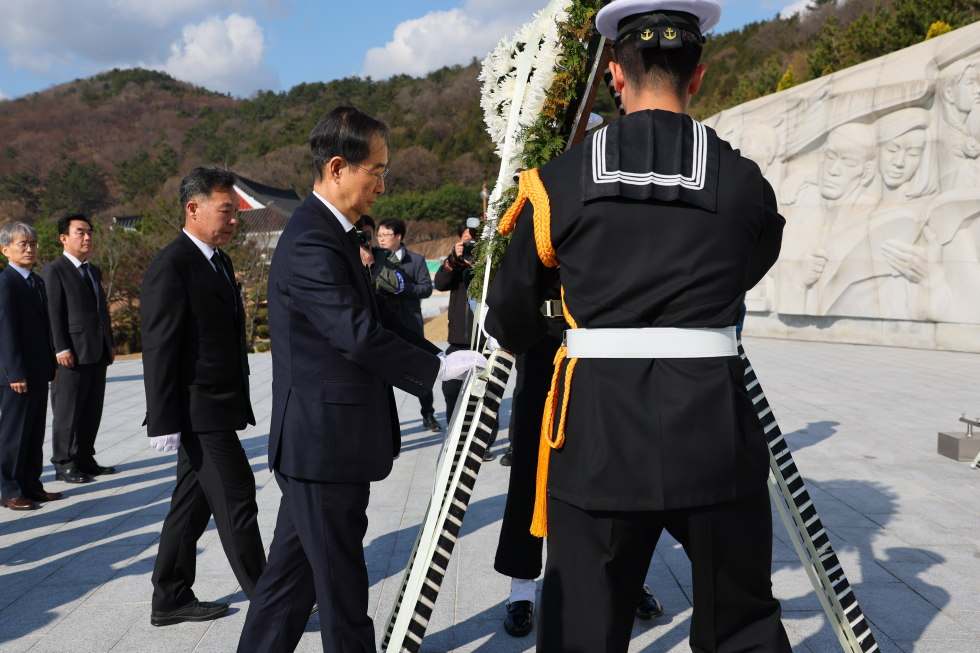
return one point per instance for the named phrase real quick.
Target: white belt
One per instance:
(651, 343)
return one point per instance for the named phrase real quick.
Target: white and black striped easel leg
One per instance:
(444, 517)
(807, 532)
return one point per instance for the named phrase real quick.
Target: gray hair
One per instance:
(12, 230)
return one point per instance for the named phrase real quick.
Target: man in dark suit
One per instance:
(391, 232)
(83, 342)
(27, 358)
(195, 367)
(334, 429)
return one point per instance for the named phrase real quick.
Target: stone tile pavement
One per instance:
(74, 575)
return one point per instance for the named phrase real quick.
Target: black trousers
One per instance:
(426, 402)
(22, 417)
(77, 398)
(519, 552)
(317, 555)
(450, 391)
(597, 561)
(213, 477)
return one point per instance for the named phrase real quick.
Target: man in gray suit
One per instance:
(85, 348)
(391, 232)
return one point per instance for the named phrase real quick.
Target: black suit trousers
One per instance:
(77, 398)
(213, 477)
(22, 417)
(597, 561)
(519, 552)
(317, 556)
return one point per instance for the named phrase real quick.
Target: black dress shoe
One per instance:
(508, 458)
(487, 455)
(520, 618)
(430, 422)
(95, 469)
(73, 476)
(649, 607)
(193, 611)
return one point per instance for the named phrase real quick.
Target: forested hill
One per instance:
(120, 141)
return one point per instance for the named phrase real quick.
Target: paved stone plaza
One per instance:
(75, 575)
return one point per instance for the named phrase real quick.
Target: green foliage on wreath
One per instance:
(544, 139)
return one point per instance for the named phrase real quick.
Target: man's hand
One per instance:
(112, 355)
(66, 359)
(457, 364)
(19, 387)
(165, 442)
(458, 252)
(814, 263)
(367, 256)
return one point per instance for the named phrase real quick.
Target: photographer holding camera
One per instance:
(454, 275)
(386, 270)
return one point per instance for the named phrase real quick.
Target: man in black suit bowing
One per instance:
(195, 370)
(336, 355)
(27, 359)
(83, 342)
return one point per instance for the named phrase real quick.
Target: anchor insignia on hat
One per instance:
(669, 34)
(646, 35)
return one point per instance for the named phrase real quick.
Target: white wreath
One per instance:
(537, 45)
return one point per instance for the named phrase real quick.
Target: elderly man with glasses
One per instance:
(28, 362)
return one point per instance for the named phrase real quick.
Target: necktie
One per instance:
(352, 235)
(35, 285)
(219, 268)
(89, 283)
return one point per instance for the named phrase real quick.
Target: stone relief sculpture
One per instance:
(877, 171)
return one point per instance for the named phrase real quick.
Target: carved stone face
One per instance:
(966, 94)
(843, 165)
(899, 158)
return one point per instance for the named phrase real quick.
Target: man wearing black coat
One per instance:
(83, 342)
(336, 355)
(195, 368)
(28, 362)
(660, 228)
(391, 232)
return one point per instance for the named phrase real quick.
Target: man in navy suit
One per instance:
(391, 232)
(28, 361)
(336, 355)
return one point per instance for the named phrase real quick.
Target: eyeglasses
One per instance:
(380, 177)
(24, 245)
(385, 236)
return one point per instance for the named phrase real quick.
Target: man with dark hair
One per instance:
(334, 426)
(83, 341)
(28, 363)
(195, 368)
(391, 233)
(650, 426)
(389, 277)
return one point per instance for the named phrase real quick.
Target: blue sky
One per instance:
(240, 46)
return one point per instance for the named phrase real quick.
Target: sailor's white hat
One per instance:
(708, 12)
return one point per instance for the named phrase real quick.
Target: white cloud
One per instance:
(799, 7)
(223, 55)
(49, 37)
(441, 38)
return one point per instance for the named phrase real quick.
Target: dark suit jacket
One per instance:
(77, 323)
(647, 434)
(336, 352)
(418, 288)
(195, 363)
(26, 349)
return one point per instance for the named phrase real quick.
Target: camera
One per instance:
(363, 238)
(468, 248)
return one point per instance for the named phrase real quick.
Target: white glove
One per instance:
(166, 442)
(492, 342)
(457, 364)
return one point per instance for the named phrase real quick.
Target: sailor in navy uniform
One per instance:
(649, 425)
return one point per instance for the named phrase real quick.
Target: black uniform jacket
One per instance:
(455, 278)
(195, 364)
(77, 322)
(26, 350)
(336, 353)
(645, 434)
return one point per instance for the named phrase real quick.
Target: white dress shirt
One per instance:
(344, 222)
(206, 249)
(400, 254)
(78, 266)
(24, 273)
